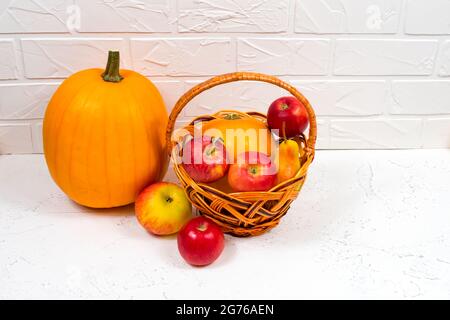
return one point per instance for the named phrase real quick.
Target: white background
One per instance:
(367, 224)
(376, 71)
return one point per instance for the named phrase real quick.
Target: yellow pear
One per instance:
(289, 160)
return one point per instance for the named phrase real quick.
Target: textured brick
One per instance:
(36, 135)
(375, 134)
(183, 57)
(347, 16)
(323, 134)
(421, 97)
(130, 16)
(171, 91)
(385, 57)
(344, 98)
(33, 16)
(233, 16)
(15, 138)
(283, 56)
(8, 62)
(436, 133)
(25, 101)
(427, 17)
(59, 58)
(444, 60)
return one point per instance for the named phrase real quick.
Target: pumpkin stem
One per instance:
(112, 71)
(232, 116)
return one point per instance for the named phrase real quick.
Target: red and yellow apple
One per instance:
(163, 208)
(288, 115)
(253, 171)
(205, 159)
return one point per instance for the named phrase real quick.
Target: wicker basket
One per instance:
(242, 213)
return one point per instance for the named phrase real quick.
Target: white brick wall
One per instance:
(384, 57)
(8, 62)
(374, 133)
(376, 71)
(46, 58)
(347, 16)
(427, 17)
(233, 16)
(183, 56)
(127, 16)
(444, 60)
(284, 56)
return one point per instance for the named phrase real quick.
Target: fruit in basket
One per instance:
(205, 159)
(253, 171)
(200, 242)
(289, 116)
(104, 135)
(240, 133)
(288, 160)
(163, 208)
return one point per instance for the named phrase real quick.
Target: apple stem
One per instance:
(169, 200)
(202, 227)
(211, 151)
(283, 130)
(253, 170)
(232, 116)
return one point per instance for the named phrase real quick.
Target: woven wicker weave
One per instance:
(243, 213)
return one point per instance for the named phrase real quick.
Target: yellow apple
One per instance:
(163, 208)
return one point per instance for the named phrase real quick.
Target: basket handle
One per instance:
(241, 76)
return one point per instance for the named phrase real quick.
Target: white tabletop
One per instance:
(367, 224)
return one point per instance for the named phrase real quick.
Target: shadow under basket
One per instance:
(242, 214)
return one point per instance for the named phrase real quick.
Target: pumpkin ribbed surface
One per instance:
(104, 141)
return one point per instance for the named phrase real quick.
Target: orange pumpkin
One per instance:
(240, 133)
(104, 135)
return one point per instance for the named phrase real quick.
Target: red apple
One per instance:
(253, 171)
(200, 241)
(288, 115)
(163, 208)
(205, 159)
